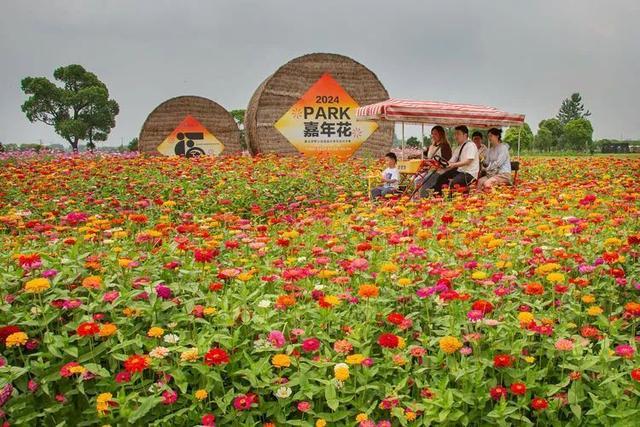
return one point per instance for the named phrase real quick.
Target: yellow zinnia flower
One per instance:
(36, 286)
(190, 355)
(450, 344)
(388, 267)
(355, 359)
(281, 361)
(16, 339)
(155, 332)
(341, 372)
(555, 277)
(594, 310)
(201, 394)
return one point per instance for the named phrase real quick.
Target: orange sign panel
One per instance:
(322, 122)
(190, 139)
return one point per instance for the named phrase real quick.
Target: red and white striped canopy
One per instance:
(438, 113)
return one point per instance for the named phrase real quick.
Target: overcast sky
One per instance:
(524, 56)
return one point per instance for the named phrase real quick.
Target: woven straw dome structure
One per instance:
(164, 119)
(284, 88)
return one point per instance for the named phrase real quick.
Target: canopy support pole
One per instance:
(519, 133)
(422, 142)
(402, 152)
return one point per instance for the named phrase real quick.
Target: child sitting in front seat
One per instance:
(390, 178)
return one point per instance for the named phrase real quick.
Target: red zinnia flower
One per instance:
(518, 389)
(204, 255)
(88, 328)
(395, 318)
(539, 404)
(216, 356)
(388, 340)
(208, 420)
(243, 402)
(635, 374)
(169, 397)
(136, 363)
(502, 361)
(483, 306)
(123, 377)
(310, 345)
(498, 392)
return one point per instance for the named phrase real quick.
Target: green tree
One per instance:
(550, 140)
(79, 110)
(133, 144)
(572, 108)
(578, 134)
(238, 116)
(524, 133)
(544, 140)
(413, 142)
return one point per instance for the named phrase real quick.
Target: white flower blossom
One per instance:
(171, 338)
(283, 392)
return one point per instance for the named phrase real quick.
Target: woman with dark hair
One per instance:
(497, 162)
(439, 147)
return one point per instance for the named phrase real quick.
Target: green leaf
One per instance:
(331, 397)
(148, 403)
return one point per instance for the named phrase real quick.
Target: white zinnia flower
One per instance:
(171, 338)
(265, 303)
(283, 392)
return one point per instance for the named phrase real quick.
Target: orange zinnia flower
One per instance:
(368, 291)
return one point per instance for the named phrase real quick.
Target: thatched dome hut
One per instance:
(288, 106)
(189, 125)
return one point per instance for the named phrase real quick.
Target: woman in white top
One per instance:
(497, 162)
(440, 147)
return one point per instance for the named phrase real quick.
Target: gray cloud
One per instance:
(523, 56)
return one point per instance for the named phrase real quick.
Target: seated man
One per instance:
(464, 165)
(390, 177)
(477, 139)
(497, 162)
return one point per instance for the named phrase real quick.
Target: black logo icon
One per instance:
(185, 145)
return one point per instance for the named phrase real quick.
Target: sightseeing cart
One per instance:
(435, 113)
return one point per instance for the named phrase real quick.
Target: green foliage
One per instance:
(79, 110)
(544, 140)
(524, 133)
(572, 108)
(577, 134)
(133, 144)
(413, 142)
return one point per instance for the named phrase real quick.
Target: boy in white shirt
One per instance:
(464, 164)
(390, 178)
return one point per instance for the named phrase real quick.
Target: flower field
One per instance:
(269, 291)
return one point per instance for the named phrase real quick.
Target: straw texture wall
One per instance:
(166, 116)
(275, 96)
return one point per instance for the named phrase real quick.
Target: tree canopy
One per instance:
(572, 108)
(78, 110)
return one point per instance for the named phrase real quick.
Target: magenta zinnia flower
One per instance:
(625, 350)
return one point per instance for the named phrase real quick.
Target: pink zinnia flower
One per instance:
(475, 315)
(625, 350)
(163, 292)
(564, 344)
(169, 397)
(276, 338)
(110, 296)
(310, 345)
